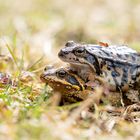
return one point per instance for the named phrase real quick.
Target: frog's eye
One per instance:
(80, 51)
(61, 73)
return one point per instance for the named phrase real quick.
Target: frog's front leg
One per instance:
(133, 96)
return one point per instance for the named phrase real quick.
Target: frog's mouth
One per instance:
(60, 85)
(68, 57)
(71, 59)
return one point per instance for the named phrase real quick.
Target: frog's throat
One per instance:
(91, 66)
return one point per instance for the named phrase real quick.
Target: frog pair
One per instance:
(117, 67)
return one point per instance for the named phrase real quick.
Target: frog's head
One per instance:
(72, 52)
(77, 54)
(62, 80)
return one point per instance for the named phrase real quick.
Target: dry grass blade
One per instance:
(131, 112)
(54, 100)
(92, 100)
(39, 69)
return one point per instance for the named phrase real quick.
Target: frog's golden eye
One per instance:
(61, 73)
(80, 51)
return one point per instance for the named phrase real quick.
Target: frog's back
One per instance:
(119, 53)
(124, 63)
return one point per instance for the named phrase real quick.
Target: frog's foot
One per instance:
(97, 82)
(133, 96)
(131, 113)
(134, 107)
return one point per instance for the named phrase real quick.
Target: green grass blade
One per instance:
(35, 63)
(13, 56)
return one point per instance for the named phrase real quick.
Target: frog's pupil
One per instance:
(62, 73)
(80, 50)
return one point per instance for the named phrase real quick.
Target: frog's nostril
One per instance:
(62, 53)
(66, 52)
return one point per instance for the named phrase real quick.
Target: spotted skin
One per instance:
(74, 89)
(119, 66)
(66, 82)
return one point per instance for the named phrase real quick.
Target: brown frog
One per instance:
(68, 83)
(74, 89)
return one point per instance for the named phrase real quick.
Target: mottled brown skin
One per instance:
(72, 92)
(118, 66)
(70, 86)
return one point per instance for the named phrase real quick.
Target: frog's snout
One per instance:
(62, 54)
(42, 77)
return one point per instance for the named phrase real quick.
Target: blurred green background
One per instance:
(46, 25)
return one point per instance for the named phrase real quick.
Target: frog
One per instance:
(74, 89)
(69, 84)
(116, 65)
